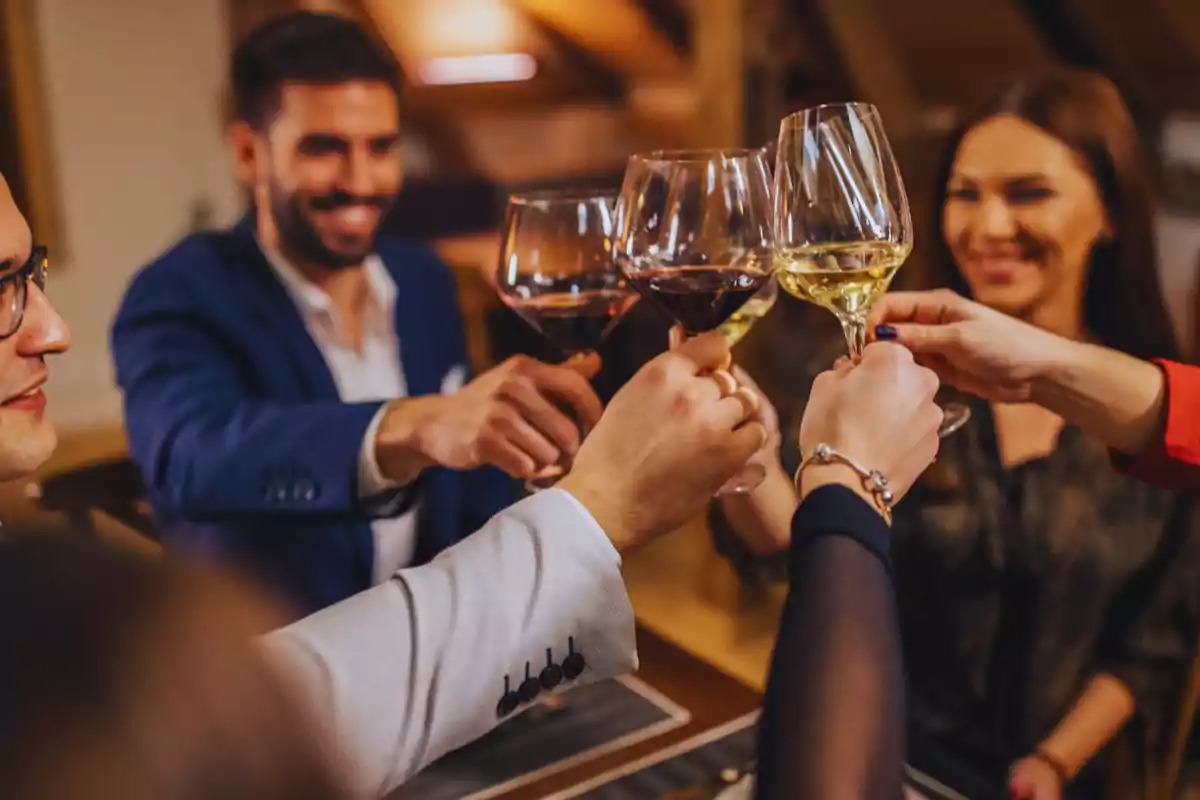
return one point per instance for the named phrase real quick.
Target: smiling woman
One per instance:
(1020, 556)
(1046, 213)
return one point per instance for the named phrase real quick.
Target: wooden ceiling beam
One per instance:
(1183, 16)
(617, 33)
(872, 62)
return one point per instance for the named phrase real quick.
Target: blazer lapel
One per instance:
(263, 296)
(413, 327)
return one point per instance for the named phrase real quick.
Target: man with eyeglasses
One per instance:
(393, 674)
(30, 330)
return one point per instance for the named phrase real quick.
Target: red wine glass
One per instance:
(557, 272)
(694, 237)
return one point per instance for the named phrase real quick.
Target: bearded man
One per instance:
(295, 388)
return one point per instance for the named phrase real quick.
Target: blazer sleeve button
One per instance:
(574, 663)
(508, 701)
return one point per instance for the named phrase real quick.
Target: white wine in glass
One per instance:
(741, 321)
(843, 278)
(842, 220)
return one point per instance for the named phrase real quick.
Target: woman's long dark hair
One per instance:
(1123, 304)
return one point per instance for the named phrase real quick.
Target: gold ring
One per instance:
(725, 382)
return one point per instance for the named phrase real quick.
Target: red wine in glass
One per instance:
(699, 298)
(576, 321)
(694, 237)
(556, 270)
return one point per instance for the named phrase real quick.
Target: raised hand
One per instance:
(1032, 778)
(510, 417)
(667, 441)
(880, 413)
(971, 347)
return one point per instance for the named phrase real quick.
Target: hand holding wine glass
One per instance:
(842, 221)
(880, 412)
(667, 440)
(694, 238)
(557, 272)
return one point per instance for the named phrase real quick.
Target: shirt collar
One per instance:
(312, 300)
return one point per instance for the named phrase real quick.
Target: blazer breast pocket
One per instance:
(454, 379)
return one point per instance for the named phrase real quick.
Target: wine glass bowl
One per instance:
(741, 321)
(842, 221)
(556, 267)
(694, 231)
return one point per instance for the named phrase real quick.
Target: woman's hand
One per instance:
(1031, 778)
(762, 516)
(879, 413)
(971, 347)
(767, 455)
(1119, 399)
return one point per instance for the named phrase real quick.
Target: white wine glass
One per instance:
(842, 221)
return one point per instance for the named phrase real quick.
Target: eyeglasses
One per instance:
(14, 291)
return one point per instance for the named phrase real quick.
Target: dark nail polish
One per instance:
(885, 333)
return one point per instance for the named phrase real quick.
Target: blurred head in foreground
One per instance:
(130, 677)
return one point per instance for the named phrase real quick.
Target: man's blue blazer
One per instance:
(234, 419)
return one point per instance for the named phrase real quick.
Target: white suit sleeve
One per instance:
(411, 669)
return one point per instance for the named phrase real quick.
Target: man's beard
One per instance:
(299, 237)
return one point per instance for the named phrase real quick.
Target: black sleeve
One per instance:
(1153, 625)
(833, 716)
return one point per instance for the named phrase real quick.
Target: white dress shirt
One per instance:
(373, 372)
(409, 670)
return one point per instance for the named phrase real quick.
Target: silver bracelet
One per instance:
(873, 480)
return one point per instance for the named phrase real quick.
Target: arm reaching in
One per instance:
(762, 516)
(422, 664)
(415, 667)
(833, 717)
(212, 445)
(1142, 410)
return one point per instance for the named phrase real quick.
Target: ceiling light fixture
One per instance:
(484, 68)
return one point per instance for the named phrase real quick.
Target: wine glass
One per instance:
(694, 238)
(842, 221)
(557, 272)
(741, 321)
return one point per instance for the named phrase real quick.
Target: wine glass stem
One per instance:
(855, 329)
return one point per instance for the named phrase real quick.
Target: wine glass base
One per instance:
(954, 416)
(747, 478)
(544, 479)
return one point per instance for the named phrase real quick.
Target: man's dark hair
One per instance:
(306, 48)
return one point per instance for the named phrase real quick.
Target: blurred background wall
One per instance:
(132, 95)
(133, 92)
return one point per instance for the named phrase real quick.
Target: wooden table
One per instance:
(704, 641)
(710, 696)
(686, 593)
